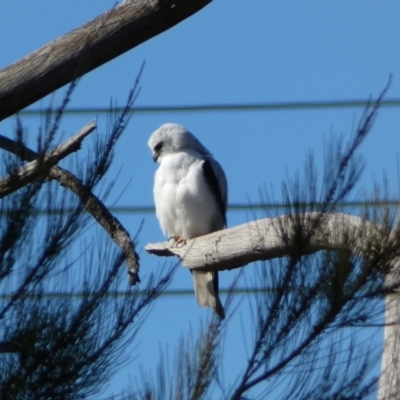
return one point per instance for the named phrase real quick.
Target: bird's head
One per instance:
(173, 138)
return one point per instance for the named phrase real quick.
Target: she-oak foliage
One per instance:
(304, 318)
(52, 347)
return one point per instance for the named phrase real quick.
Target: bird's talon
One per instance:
(172, 238)
(177, 241)
(180, 242)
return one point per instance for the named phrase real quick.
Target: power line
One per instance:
(261, 206)
(232, 207)
(278, 106)
(124, 294)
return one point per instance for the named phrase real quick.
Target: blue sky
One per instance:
(230, 52)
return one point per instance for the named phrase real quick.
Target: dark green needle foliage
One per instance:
(55, 347)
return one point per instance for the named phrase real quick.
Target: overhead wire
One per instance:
(245, 107)
(127, 293)
(147, 209)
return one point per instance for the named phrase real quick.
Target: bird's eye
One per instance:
(158, 146)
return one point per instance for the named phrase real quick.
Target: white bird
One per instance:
(190, 195)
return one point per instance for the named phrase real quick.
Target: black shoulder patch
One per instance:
(213, 185)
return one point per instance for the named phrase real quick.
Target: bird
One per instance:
(190, 196)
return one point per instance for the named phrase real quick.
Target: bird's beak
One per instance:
(155, 157)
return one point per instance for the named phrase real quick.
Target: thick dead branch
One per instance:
(86, 48)
(100, 213)
(91, 203)
(42, 164)
(264, 240)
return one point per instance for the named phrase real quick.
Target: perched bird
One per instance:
(190, 195)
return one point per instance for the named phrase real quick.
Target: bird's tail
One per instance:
(206, 289)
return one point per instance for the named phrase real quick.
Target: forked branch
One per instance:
(39, 165)
(68, 180)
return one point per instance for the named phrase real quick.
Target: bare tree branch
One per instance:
(100, 213)
(41, 165)
(263, 240)
(91, 203)
(86, 48)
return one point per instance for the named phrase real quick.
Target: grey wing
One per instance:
(216, 181)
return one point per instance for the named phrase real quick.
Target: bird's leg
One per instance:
(172, 240)
(177, 241)
(180, 242)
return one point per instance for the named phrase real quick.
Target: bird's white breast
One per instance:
(185, 206)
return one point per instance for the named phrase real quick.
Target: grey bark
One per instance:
(41, 165)
(86, 48)
(262, 240)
